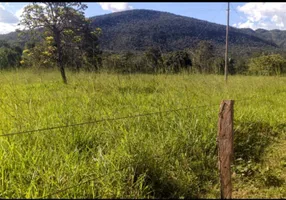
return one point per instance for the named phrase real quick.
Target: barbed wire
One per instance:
(126, 117)
(255, 96)
(102, 120)
(119, 118)
(93, 179)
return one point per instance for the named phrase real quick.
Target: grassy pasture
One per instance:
(166, 155)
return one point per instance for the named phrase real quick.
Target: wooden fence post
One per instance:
(225, 147)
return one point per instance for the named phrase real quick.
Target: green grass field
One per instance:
(166, 155)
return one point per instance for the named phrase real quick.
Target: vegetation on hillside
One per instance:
(136, 30)
(140, 41)
(10, 55)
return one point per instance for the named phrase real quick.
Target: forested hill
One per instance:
(136, 30)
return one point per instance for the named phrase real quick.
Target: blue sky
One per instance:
(213, 12)
(242, 15)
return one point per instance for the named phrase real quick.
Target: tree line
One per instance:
(61, 37)
(201, 59)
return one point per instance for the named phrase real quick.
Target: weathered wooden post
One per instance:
(225, 147)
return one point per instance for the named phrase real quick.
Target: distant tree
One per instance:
(230, 66)
(90, 46)
(4, 43)
(154, 58)
(9, 58)
(218, 65)
(57, 18)
(81, 44)
(273, 64)
(9, 55)
(240, 65)
(40, 55)
(203, 57)
(178, 60)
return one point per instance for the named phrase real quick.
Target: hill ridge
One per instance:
(137, 29)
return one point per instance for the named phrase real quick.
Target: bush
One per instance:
(273, 64)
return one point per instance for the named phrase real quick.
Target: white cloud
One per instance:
(116, 6)
(19, 12)
(7, 28)
(263, 15)
(8, 20)
(6, 16)
(247, 24)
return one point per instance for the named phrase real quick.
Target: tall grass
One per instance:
(167, 155)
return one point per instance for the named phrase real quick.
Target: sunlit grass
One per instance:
(158, 156)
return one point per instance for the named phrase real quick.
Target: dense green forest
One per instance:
(147, 41)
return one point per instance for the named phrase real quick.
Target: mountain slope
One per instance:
(139, 29)
(136, 30)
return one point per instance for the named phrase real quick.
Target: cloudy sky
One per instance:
(242, 15)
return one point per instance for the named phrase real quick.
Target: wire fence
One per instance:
(103, 120)
(140, 115)
(115, 119)
(126, 117)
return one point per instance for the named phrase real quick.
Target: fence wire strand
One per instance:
(126, 117)
(114, 119)
(103, 120)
